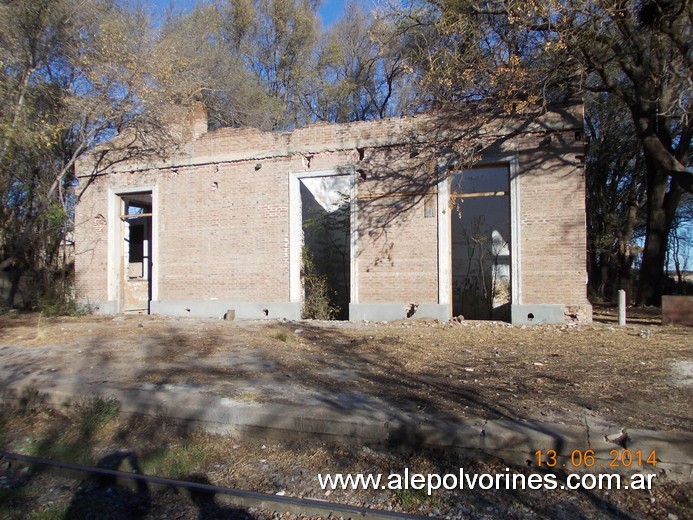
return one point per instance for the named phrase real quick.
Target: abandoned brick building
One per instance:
(395, 226)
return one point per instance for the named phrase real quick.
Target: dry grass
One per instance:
(628, 376)
(160, 446)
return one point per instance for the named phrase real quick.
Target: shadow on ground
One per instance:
(346, 371)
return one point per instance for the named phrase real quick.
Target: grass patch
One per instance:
(175, 462)
(11, 501)
(411, 499)
(96, 412)
(49, 448)
(6, 507)
(282, 336)
(4, 420)
(49, 513)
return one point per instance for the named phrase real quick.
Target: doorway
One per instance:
(480, 229)
(136, 252)
(323, 244)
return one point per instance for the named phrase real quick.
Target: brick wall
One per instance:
(222, 233)
(399, 262)
(552, 219)
(91, 244)
(223, 212)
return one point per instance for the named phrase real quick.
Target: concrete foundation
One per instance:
(99, 307)
(219, 308)
(397, 311)
(538, 314)
(512, 441)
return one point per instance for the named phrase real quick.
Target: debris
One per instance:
(620, 440)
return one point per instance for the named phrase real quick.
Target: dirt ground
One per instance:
(640, 376)
(636, 377)
(155, 447)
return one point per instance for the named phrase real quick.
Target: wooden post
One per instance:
(621, 308)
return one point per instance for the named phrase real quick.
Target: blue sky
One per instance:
(329, 12)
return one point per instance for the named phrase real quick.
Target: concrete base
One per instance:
(397, 311)
(537, 314)
(219, 308)
(99, 307)
(514, 442)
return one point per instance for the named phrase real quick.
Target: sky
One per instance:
(330, 11)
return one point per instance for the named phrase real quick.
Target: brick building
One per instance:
(385, 210)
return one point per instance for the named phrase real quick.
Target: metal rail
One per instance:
(226, 496)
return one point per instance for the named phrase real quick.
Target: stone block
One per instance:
(677, 310)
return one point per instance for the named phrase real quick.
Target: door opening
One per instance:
(326, 246)
(480, 248)
(136, 248)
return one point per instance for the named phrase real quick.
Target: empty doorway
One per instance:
(480, 229)
(326, 246)
(136, 252)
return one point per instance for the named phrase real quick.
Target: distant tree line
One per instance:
(74, 74)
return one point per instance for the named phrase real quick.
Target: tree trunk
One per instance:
(604, 276)
(15, 279)
(593, 270)
(661, 209)
(625, 258)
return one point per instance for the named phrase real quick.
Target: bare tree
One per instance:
(615, 174)
(361, 71)
(72, 76)
(507, 55)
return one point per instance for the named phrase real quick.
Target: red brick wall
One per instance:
(222, 233)
(91, 243)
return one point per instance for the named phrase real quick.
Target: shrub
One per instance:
(317, 304)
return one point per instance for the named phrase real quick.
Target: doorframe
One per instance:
(510, 162)
(296, 231)
(115, 243)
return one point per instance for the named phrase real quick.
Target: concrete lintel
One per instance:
(397, 311)
(538, 314)
(217, 309)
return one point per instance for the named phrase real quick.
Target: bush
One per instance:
(57, 305)
(317, 304)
